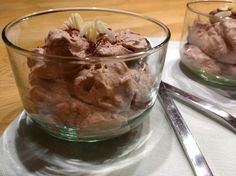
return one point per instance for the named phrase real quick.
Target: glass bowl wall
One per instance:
(207, 45)
(44, 99)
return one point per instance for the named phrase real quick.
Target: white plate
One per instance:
(27, 150)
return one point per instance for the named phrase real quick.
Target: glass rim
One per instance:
(194, 10)
(56, 10)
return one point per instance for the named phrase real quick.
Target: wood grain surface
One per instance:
(170, 12)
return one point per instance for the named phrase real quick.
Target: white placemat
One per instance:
(217, 143)
(150, 150)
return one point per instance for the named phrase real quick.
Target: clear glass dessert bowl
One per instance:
(208, 44)
(86, 74)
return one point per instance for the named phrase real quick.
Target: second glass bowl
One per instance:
(208, 44)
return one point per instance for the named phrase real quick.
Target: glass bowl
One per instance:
(208, 45)
(86, 108)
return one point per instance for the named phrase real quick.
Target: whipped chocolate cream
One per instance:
(66, 43)
(211, 45)
(89, 95)
(196, 58)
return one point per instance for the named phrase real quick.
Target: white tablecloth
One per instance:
(217, 143)
(151, 150)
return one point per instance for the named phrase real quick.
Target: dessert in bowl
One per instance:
(94, 76)
(208, 46)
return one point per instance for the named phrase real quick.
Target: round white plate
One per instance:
(29, 151)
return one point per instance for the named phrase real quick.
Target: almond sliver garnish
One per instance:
(90, 29)
(223, 14)
(102, 28)
(74, 21)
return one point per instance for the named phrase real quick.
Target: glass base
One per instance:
(227, 82)
(73, 134)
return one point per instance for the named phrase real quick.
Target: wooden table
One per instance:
(171, 12)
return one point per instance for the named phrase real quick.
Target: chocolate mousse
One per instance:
(211, 45)
(70, 85)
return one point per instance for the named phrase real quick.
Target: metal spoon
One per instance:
(193, 153)
(204, 105)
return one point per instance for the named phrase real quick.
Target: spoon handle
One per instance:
(204, 105)
(191, 149)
